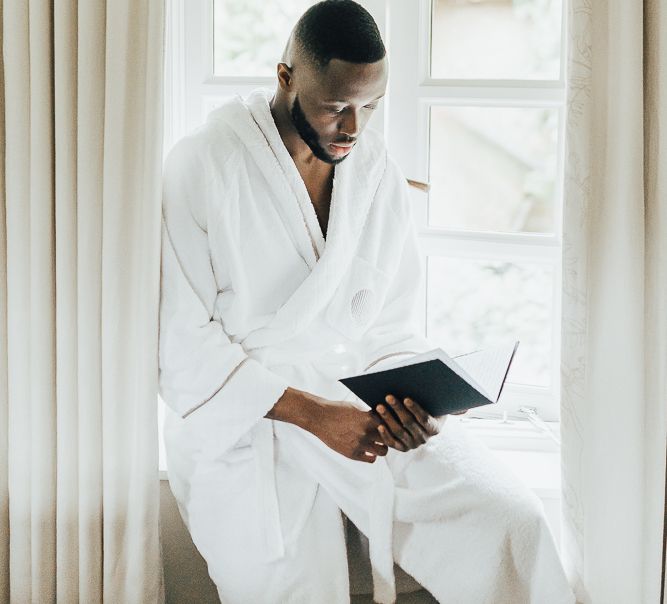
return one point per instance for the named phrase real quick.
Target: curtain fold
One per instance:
(81, 126)
(65, 138)
(655, 178)
(4, 478)
(614, 332)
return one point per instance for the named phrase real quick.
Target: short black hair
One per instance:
(339, 29)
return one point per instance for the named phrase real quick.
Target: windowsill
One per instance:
(513, 434)
(530, 453)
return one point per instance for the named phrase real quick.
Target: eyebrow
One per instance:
(344, 101)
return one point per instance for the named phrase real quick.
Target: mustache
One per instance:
(346, 141)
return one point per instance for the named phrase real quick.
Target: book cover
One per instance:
(439, 383)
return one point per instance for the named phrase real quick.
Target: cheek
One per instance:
(327, 127)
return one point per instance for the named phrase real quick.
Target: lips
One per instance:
(341, 149)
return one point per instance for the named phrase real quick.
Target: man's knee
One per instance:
(519, 510)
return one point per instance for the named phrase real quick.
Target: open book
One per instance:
(439, 383)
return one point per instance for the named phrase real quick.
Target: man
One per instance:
(290, 261)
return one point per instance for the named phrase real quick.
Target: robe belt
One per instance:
(380, 535)
(266, 487)
(381, 514)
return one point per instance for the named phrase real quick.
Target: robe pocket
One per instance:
(242, 450)
(358, 300)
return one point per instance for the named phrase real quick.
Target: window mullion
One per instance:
(199, 45)
(457, 93)
(175, 107)
(512, 249)
(549, 93)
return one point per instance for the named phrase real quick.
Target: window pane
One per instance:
(493, 168)
(474, 304)
(496, 39)
(250, 35)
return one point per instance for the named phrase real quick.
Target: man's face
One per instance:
(331, 107)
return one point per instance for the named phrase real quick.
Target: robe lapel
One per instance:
(356, 181)
(258, 105)
(241, 121)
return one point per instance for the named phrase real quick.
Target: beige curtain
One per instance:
(80, 123)
(614, 363)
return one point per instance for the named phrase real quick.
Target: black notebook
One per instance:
(439, 383)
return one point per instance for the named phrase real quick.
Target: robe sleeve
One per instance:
(204, 377)
(396, 332)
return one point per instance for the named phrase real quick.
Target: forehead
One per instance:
(343, 81)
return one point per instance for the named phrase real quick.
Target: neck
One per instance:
(296, 147)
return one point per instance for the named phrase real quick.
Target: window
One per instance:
(249, 34)
(475, 107)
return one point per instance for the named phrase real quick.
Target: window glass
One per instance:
(493, 168)
(474, 304)
(496, 39)
(250, 35)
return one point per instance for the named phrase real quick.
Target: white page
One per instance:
(489, 367)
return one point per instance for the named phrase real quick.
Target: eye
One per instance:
(371, 106)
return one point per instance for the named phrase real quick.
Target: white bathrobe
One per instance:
(253, 301)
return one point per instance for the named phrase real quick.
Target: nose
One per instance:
(350, 123)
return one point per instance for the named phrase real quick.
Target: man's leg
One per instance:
(465, 527)
(491, 544)
(226, 526)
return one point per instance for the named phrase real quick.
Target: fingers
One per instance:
(370, 451)
(428, 423)
(407, 425)
(377, 448)
(394, 432)
(409, 420)
(391, 440)
(367, 457)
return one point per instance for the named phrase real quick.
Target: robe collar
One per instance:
(356, 180)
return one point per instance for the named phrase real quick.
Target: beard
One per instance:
(309, 135)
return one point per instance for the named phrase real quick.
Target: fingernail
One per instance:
(380, 408)
(408, 402)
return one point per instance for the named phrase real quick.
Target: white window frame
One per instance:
(193, 90)
(411, 93)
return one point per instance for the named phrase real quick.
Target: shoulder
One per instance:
(375, 152)
(209, 148)
(372, 149)
(393, 191)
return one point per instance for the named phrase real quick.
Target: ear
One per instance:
(285, 78)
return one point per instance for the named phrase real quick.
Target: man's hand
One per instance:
(349, 431)
(404, 424)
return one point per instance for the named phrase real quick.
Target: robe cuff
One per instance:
(244, 397)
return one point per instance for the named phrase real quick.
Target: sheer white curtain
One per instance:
(80, 125)
(614, 362)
